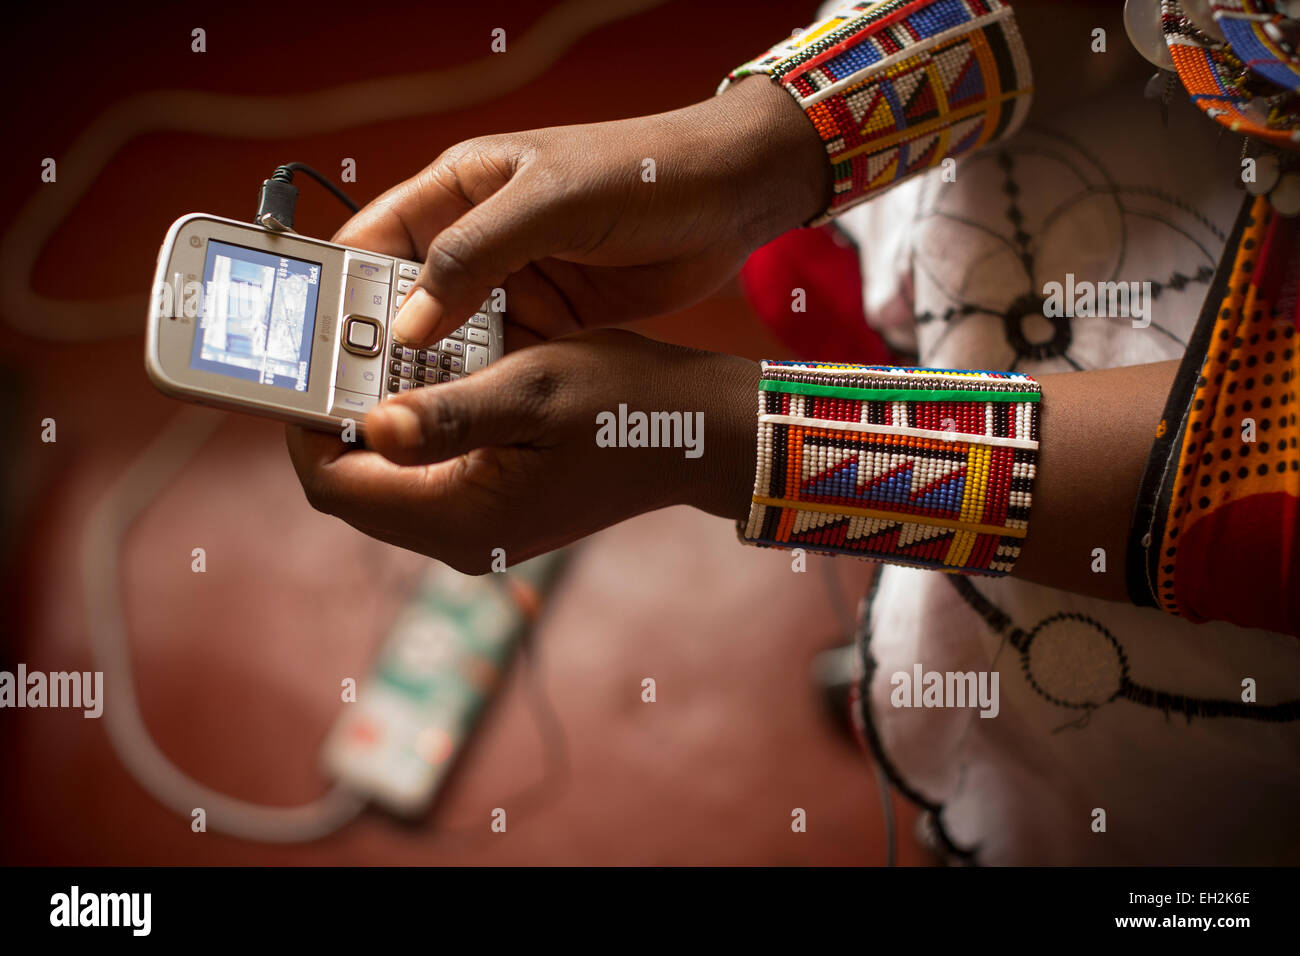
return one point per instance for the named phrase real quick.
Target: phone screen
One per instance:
(257, 317)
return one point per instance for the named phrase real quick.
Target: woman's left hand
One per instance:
(508, 458)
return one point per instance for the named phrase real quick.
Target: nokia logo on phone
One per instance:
(326, 326)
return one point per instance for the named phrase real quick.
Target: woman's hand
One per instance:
(570, 223)
(508, 457)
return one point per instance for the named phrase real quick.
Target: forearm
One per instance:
(1101, 423)
(773, 155)
(1096, 430)
(894, 89)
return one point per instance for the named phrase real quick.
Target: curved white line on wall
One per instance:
(256, 117)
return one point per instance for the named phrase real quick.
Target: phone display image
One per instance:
(257, 316)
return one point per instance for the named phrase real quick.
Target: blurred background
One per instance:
(237, 670)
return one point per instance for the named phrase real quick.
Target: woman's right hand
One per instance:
(582, 231)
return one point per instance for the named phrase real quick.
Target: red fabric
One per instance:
(1241, 563)
(834, 327)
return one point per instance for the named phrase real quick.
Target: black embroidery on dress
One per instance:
(872, 736)
(1125, 688)
(1030, 334)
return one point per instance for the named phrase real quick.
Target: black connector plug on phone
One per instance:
(276, 201)
(278, 197)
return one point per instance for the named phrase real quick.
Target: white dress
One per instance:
(1103, 706)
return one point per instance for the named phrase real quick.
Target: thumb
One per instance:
(443, 421)
(471, 257)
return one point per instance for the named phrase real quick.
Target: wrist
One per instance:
(695, 428)
(721, 481)
(787, 181)
(753, 145)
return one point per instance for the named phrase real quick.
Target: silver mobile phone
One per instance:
(280, 325)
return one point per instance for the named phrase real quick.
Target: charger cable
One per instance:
(133, 491)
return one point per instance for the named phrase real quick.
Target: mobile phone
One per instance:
(288, 327)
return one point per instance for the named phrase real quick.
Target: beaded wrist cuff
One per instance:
(897, 86)
(930, 468)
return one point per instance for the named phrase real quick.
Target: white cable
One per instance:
(248, 117)
(106, 528)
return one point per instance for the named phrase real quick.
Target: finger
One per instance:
(362, 487)
(537, 308)
(311, 452)
(474, 255)
(403, 221)
(314, 446)
(444, 421)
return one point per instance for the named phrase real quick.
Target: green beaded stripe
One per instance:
(896, 394)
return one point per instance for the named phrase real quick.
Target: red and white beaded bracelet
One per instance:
(897, 86)
(931, 468)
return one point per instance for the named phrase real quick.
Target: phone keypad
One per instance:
(374, 290)
(408, 368)
(460, 353)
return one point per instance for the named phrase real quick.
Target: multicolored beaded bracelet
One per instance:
(930, 468)
(897, 86)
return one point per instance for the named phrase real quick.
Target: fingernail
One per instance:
(404, 425)
(416, 319)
